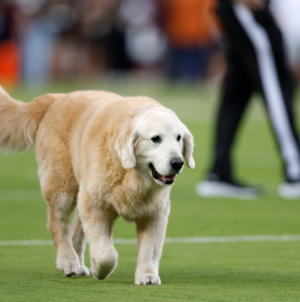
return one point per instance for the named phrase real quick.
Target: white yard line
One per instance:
(260, 238)
(25, 242)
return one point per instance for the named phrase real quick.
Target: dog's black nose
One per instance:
(176, 163)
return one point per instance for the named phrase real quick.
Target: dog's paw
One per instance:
(69, 267)
(147, 279)
(83, 271)
(102, 268)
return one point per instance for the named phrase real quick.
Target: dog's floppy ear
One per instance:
(188, 146)
(125, 144)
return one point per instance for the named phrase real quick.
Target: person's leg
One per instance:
(275, 82)
(236, 93)
(240, 82)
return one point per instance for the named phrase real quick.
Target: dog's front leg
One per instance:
(151, 234)
(98, 226)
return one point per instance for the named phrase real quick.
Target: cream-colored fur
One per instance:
(94, 151)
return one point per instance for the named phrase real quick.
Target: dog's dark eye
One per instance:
(156, 139)
(178, 138)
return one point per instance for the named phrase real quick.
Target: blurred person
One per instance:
(256, 62)
(72, 51)
(36, 41)
(191, 30)
(99, 25)
(145, 42)
(92, 43)
(9, 50)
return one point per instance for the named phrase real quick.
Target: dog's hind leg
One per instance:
(60, 189)
(60, 207)
(79, 241)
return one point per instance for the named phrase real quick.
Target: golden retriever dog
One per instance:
(105, 155)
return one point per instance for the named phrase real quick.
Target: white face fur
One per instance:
(158, 145)
(161, 140)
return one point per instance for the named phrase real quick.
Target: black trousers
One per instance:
(256, 62)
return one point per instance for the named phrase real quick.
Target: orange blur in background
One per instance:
(9, 64)
(191, 22)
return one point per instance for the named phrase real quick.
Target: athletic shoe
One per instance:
(213, 187)
(289, 190)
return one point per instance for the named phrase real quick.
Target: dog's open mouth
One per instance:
(168, 180)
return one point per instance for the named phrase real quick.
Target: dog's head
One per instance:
(156, 142)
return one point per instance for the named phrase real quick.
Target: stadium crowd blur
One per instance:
(42, 40)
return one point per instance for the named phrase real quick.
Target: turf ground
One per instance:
(237, 271)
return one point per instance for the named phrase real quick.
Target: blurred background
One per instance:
(173, 40)
(46, 40)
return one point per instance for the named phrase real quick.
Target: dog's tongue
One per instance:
(169, 178)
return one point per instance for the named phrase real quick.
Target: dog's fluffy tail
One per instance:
(19, 122)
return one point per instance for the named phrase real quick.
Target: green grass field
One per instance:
(240, 271)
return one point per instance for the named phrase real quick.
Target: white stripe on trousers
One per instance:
(272, 89)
